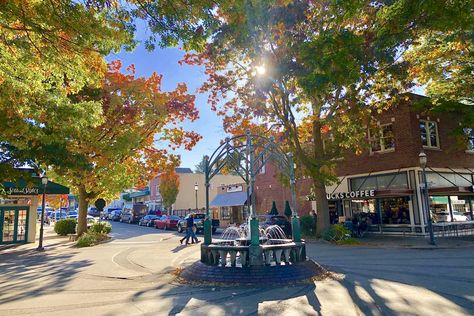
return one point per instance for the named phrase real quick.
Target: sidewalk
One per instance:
(381, 241)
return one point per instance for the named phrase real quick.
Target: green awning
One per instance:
(439, 199)
(32, 187)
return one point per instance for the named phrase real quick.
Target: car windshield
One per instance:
(175, 218)
(199, 216)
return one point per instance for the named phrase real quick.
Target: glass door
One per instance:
(13, 224)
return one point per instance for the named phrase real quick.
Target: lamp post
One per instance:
(426, 204)
(196, 193)
(44, 181)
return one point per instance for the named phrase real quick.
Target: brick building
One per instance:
(384, 182)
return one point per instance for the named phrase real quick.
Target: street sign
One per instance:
(100, 204)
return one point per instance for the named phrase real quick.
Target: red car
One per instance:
(167, 222)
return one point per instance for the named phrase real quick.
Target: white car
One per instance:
(446, 217)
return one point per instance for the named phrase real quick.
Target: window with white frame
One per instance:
(381, 138)
(429, 134)
(469, 132)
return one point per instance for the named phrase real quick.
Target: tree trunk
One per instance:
(82, 216)
(323, 221)
(322, 207)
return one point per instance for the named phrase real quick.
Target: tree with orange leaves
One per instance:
(169, 188)
(120, 151)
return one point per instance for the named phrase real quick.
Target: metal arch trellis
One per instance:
(238, 154)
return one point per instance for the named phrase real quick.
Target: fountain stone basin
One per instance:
(274, 252)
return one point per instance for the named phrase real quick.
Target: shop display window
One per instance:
(225, 212)
(441, 180)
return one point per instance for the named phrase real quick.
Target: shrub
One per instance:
(101, 228)
(336, 233)
(308, 225)
(86, 240)
(65, 226)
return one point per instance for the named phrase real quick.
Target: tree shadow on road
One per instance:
(28, 273)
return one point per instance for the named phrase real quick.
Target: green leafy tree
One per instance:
(274, 210)
(306, 70)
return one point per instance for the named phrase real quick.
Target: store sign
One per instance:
(19, 191)
(235, 188)
(351, 195)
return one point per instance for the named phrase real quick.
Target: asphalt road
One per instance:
(133, 275)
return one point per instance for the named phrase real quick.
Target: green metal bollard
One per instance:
(207, 231)
(254, 232)
(295, 228)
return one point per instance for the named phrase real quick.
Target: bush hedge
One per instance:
(336, 233)
(65, 226)
(90, 239)
(86, 240)
(101, 228)
(308, 225)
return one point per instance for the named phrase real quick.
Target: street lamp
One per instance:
(196, 192)
(44, 181)
(426, 203)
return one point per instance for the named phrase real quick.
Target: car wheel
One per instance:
(180, 229)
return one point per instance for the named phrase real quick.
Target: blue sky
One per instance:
(165, 62)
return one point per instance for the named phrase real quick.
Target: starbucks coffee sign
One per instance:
(351, 195)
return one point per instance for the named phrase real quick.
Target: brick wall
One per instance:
(405, 124)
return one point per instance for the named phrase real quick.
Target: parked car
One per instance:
(132, 213)
(58, 215)
(114, 215)
(280, 220)
(93, 211)
(147, 220)
(47, 213)
(155, 212)
(72, 214)
(444, 216)
(106, 213)
(198, 223)
(167, 222)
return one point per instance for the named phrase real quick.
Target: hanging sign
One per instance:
(351, 195)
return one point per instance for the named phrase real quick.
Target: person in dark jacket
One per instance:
(190, 231)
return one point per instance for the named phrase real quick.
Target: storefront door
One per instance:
(13, 224)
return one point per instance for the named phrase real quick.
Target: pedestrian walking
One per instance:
(189, 231)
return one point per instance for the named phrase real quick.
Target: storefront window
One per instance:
(395, 210)
(440, 180)
(367, 207)
(439, 207)
(381, 182)
(225, 212)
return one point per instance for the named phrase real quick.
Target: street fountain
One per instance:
(251, 252)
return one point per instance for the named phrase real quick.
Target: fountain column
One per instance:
(207, 221)
(255, 250)
(295, 221)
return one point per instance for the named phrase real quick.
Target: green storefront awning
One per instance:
(439, 199)
(31, 187)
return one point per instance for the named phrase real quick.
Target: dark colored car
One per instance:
(148, 220)
(106, 213)
(93, 211)
(115, 215)
(132, 213)
(280, 220)
(167, 222)
(198, 223)
(155, 212)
